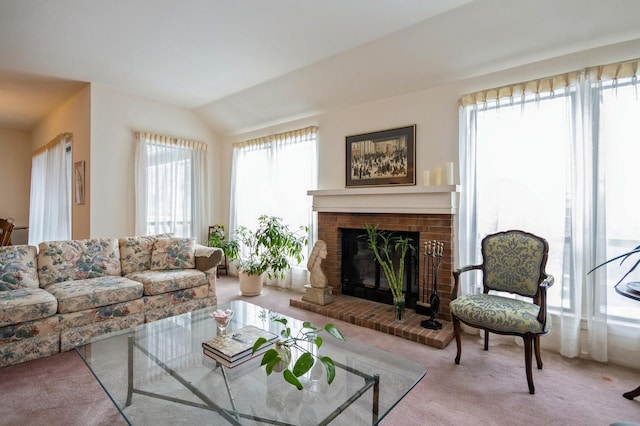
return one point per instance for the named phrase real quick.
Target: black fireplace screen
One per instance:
(361, 275)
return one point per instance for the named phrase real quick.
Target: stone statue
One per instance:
(318, 278)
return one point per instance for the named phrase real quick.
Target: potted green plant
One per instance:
(268, 249)
(278, 359)
(217, 238)
(385, 245)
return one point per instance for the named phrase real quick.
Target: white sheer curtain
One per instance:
(50, 203)
(272, 175)
(536, 156)
(171, 187)
(615, 111)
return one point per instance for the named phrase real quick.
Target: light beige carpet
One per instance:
(487, 388)
(55, 391)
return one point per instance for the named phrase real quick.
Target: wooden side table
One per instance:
(222, 267)
(624, 290)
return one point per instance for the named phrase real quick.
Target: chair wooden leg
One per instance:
(528, 349)
(536, 345)
(456, 331)
(632, 394)
(486, 339)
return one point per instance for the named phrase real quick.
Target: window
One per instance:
(556, 157)
(272, 175)
(50, 203)
(619, 110)
(170, 187)
(522, 183)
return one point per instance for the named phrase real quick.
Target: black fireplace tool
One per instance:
(433, 251)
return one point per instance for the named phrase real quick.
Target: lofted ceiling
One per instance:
(245, 64)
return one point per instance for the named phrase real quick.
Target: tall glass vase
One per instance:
(399, 308)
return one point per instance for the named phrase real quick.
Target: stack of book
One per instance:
(235, 348)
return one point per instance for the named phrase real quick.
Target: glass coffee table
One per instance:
(156, 373)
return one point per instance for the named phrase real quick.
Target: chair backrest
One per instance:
(514, 261)
(6, 228)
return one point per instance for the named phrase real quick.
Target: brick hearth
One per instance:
(380, 317)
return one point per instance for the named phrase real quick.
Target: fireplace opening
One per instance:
(362, 276)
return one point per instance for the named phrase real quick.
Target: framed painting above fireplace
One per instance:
(383, 158)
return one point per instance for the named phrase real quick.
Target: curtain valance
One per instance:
(166, 140)
(614, 71)
(292, 136)
(62, 137)
(553, 83)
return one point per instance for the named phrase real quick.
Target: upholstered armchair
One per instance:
(513, 264)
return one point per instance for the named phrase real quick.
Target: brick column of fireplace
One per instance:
(429, 226)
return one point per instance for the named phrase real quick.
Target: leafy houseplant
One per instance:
(384, 246)
(270, 247)
(281, 356)
(268, 250)
(217, 239)
(623, 256)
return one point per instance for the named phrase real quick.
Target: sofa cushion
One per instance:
(26, 304)
(158, 282)
(102, 313)
(79, 295)
(78, 336)
(27, 348)
(173, 253)
(175, 298)
(78, 260)
(135, 252)
(18, 267)
(29, 329)
(184, 305)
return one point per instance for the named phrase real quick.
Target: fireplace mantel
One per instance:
(397, 199)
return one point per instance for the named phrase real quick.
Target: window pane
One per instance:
(619, 130)
(169, 190)
(273, 178)
(522, 157)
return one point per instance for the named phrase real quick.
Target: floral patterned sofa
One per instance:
(59, 296)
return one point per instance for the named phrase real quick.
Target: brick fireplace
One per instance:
(428, 211)
(428, 226)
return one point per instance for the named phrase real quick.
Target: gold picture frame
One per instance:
(78, 182)
(385, 158)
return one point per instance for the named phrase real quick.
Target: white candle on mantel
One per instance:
(426, 178)
(449, 173)
(437, 176)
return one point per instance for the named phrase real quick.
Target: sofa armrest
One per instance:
(208, 257)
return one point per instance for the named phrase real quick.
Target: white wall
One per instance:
(73, 116)
(15, 175)
(433, 111)
(115, 117)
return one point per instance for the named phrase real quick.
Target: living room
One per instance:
(104, 117)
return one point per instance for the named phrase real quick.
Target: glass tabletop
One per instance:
(156, 373)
